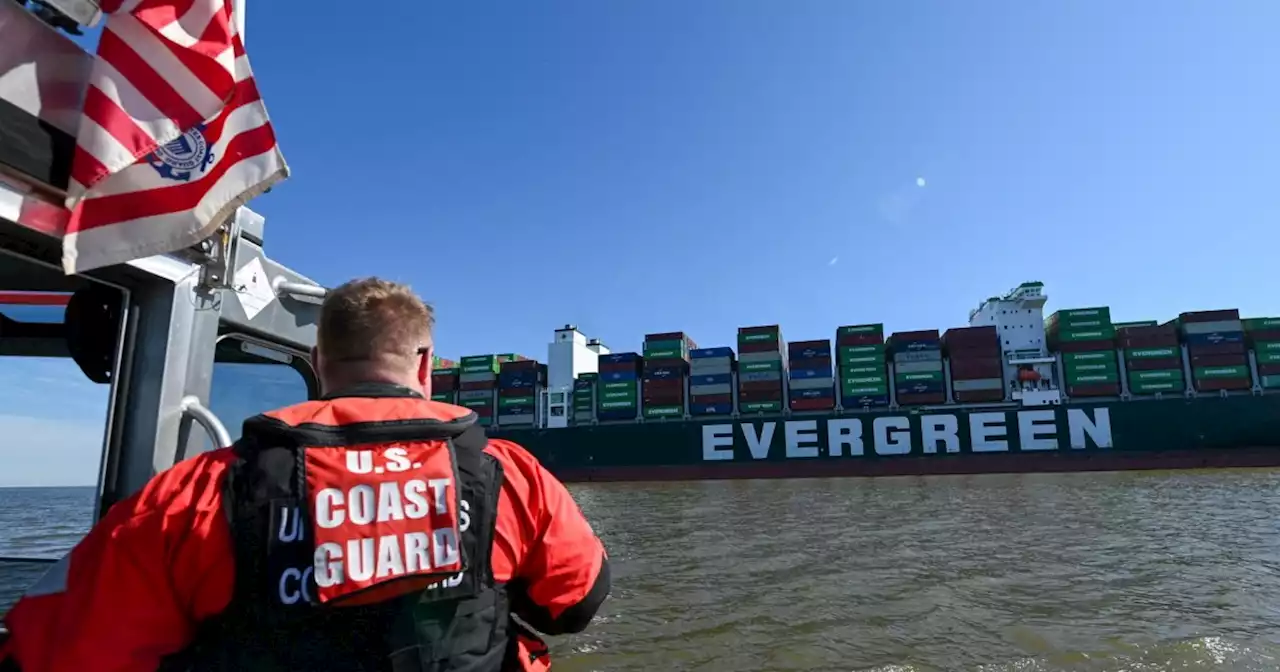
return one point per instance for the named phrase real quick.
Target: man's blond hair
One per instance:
(371, 319)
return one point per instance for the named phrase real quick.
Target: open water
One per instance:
(1133, 571)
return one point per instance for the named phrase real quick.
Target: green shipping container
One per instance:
(1218, 372)
(672, 349)
(448, 371)
(864, 370)
(1096, 357)
(483, 421)
(618, 395)
(1153, 353)
(1271, 381)
(1076, 316)
(664, 411)
(859, 381)
(445, 397)
(1097, 368)
(1261, 323)
(1103, 333)
(476, 403)
(1152, 387)
(759, 406)
(1092, 378)
(506, 402)
(1155, 376)
(864, 390)
(860, 329)
(767, 337)
(619, 385)
(615, 405)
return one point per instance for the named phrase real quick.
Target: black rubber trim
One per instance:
(574, 619)
(32, 147)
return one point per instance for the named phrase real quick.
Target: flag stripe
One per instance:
(100, 211)
(173, 134)
(158, 59)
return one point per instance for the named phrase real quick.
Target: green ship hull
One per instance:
(1233, 431)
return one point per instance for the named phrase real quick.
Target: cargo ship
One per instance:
(1013, 391)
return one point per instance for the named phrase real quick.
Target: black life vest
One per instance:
(388, 618)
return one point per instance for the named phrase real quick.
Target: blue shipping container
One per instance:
(1215, 338)
(810, 353)
(920, 388)
(859, 402)
(518, 379)
(710, 409)
(923, 345)
(802, 374)
(662, 373)
(714, 379)
(617, 414)
(517, 384)
(582, 384)
(615, 376)
(704, 353)
(618, 357)
(818, 393)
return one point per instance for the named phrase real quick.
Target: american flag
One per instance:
(173, 137)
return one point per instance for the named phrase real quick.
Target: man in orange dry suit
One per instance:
(370, 530)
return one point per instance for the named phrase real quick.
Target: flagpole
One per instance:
(237, 9)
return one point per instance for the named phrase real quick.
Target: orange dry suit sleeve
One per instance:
(556, 566)
(132, 591)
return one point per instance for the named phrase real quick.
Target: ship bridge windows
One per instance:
(251, 376)
(58, 342)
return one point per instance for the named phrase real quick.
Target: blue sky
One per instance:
(634, 167)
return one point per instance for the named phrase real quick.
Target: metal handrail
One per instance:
(282, 286)
(192, 408)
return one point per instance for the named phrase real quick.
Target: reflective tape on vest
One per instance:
(380, 515)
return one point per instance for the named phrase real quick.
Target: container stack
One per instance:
(1263, 335)
(520, 381)
(917, 364)
(477, 383)
(977, 365)
(760, 360)
(1086, 340)
(864, 381)
(809, 374)
(1152, 357)
(666, 364)
(584, 398)
(711, 381)
(1215, 344)
(617, 396)
(444, 384)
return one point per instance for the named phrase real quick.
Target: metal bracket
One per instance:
(218, 255)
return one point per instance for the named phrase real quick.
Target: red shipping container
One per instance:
(985, 352)
(760, 395)
(665, 385)
(520, 365)
(962, 338)
(1168, 340)
(1210, 315)
(759, 346)
(760, 385)
(922, 398)
(859, 339)
(976, 396)
(1263, 335)
(665, 336)
(1084, 346)
(615, 367)
(1268, 369)
(1095, 390)
(1217, 384)
(711, 398)
(482, 411)
(1154, 364)
(516, 392)
(1216, 349)
(761, 329)
(1219, 360)
(478, 385)
(676, 362)
(1160, 331)
(972, 369)
(817, 344)
(663, 400)
(812, 404)
(918, 335)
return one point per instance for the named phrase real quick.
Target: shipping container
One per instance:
(711, 381)
(761, 369)
(520, 384)
(617, 390)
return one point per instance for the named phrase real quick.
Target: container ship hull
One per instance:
(1178, 433)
